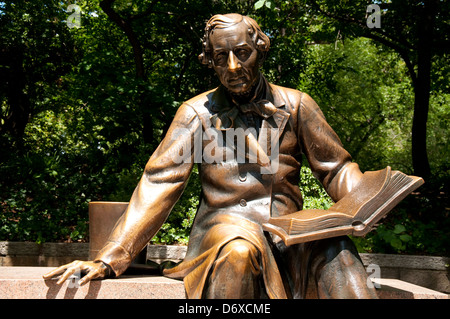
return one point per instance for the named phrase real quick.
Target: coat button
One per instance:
(242, 177)
(243, 202)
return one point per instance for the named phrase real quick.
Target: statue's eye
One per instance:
(242, 54)
(220, 58)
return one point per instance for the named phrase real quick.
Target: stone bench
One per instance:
(27, 283)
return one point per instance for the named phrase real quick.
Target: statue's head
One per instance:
(235, 47)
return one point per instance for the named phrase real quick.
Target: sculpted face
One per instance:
(234, 57)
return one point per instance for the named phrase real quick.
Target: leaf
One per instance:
(259, 4)
(405, 238)
(399, 229)
(269, 4)
(397, 243)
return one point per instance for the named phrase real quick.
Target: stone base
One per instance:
(27, 283)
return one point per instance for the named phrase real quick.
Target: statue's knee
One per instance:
(240, 249)
(236, 272)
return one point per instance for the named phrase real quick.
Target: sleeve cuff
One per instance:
(115, 256)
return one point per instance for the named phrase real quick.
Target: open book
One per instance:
(355, 214)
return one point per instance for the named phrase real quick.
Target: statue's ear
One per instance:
(262, 45)
(204, 60)
(262, 48)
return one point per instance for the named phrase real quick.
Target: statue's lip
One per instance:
(237, 80)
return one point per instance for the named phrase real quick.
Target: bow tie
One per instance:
(263, 108)
(225, 118)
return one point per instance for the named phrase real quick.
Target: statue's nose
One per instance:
(233, 63)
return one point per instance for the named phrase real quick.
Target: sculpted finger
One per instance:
(57, 271)
(69, 272)
(54, 273)
(91, 275)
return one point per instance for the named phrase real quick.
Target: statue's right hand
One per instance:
(90, 270)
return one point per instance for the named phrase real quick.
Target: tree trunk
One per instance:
(16, 119)
(420, 161)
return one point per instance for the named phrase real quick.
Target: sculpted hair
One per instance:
(219, 21)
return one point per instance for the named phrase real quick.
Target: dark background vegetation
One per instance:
(83, 108)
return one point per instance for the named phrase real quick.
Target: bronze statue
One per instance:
(229, 253)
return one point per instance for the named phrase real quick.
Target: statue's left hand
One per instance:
(91, 269)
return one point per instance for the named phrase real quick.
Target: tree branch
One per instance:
(398, 45)
(125, 25)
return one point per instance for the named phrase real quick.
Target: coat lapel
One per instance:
(273, 127)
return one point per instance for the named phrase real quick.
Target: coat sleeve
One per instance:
(162, 183)
(330, 163)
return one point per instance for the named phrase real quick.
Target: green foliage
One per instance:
(314, 195)
(260, 3)
(397, 237)
(47, 186)
(366, 95)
